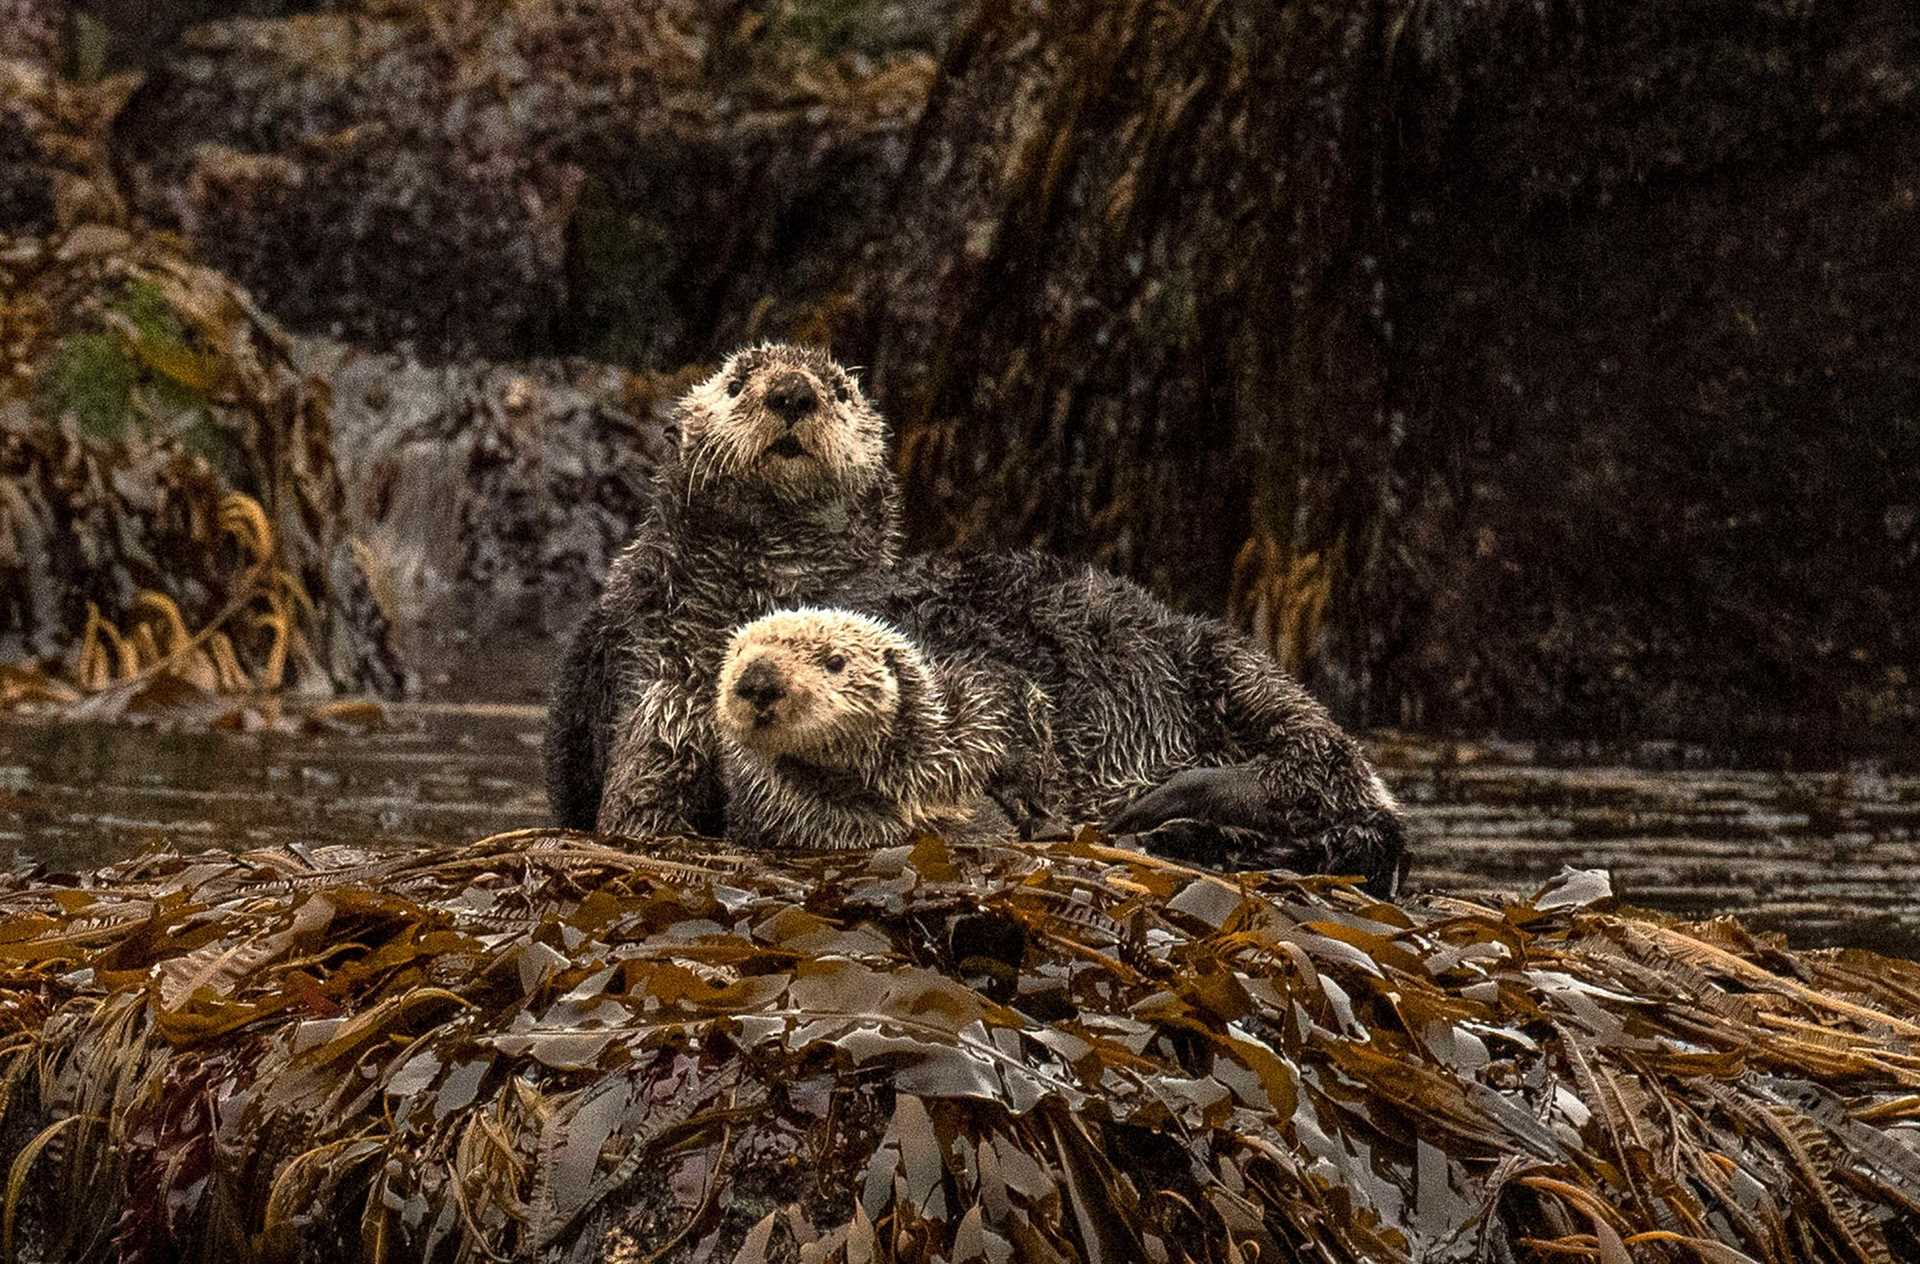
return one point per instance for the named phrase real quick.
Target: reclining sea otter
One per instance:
(955, 685)
(780, 495)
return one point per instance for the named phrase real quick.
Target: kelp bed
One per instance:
(541, 1046)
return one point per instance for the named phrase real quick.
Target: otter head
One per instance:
(785, 418)
(822, 686)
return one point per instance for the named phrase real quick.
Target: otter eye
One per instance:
(842, 389)
(736, 383)
(836, 663)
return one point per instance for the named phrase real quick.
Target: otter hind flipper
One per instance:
(1230, 795)
(1226, 817)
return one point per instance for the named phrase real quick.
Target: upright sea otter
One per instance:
(779, 492)
(1157, 723)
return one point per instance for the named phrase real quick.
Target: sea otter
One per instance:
(1159, 724)
(837, 732)
(779, 491)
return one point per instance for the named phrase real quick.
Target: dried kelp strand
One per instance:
(543, 1044)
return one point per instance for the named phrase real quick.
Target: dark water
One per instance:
(1827, 857)
(76, 795)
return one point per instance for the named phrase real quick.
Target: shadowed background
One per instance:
(1548, 370)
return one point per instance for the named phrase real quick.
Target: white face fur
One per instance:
(825, 439)
(821, 685)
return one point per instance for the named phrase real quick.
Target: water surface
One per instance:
(1826, 857)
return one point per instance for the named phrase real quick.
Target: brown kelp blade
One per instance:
(546, 1043)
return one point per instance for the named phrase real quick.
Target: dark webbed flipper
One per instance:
(579, 725)
(1233, 795)
(1227, 818)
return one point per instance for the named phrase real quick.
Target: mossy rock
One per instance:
(145, 391)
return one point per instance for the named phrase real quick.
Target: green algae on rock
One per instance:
(543, 1046)
(145, 394)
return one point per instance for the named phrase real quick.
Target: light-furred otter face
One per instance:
(784, 417)
(819, 685)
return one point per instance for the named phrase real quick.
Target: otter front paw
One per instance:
(640, 823)
(1032, 819)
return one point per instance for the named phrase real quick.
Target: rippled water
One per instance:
(1825, 857)
(76, 795)
(1828, 858)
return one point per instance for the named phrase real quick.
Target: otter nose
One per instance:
(761, 684)
(792, 397)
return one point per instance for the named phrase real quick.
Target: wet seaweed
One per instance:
(542, 1046)
(1287, 306)
(171, 511)
(160, 668)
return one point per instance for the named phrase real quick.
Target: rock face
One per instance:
(1497, 368)
(465, 180)
(1648, 315)
(486, 501)
(327, 159)
(1118, 290)
(30, 31)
